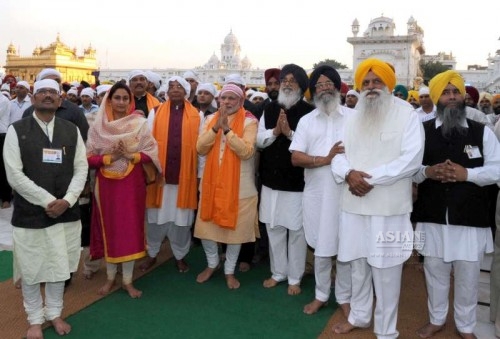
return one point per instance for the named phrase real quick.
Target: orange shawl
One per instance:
(188, 190)
(221, 182)
(151, 102)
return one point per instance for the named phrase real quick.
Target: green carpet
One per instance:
(174, 305)
(5, 265)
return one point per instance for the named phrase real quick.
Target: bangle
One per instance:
(227, 131)
(314, 161)
(348, 172)
(290, 134)
(213, 129)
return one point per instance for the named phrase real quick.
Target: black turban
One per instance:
(328, 72)
(272, 73)
(298, 73)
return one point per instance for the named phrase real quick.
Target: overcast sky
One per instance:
(185, 34)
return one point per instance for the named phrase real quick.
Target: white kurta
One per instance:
(451, 242)
(277, 208)
(382, 240)
(315, 135)
(168, 212)
(51, 253)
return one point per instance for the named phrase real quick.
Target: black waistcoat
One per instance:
(465, 202)
(276, 169)
(55, 178)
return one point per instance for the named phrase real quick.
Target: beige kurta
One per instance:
(247, 226)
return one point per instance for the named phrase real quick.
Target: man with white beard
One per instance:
(383, 149)
(282, 183)
(318, 139)
(461, 157)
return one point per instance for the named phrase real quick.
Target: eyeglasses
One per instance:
(291, 81)
(47, 91)
(326, 84)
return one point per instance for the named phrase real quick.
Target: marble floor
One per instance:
(484, 328)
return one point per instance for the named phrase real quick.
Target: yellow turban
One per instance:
(440, 81)
(413, 94)
(380, 68)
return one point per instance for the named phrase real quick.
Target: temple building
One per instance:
(214, 70)
(57, 55)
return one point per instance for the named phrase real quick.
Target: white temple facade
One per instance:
(213, 71)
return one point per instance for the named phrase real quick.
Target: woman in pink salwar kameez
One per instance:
(118, 146)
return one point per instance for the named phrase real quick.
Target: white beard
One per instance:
(327, 101)
(373, 111)
(287, 97)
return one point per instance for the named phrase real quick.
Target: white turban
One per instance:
(102, 88)
(423, 91)
(163, 88)
(206, 87)
(191, 75)
(6, 94)
(5, 87)
(48, 72)
(88, 91)
(183, 83)
(258, 95)
(249, 92)
(136, 73)
(46, 83)
(24, 84)
(73, 90)
(154, 78)
(352, 92)
(234, 78)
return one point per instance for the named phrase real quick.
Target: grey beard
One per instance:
(287, 98)
(452, 119)
(486, 109)
(327, 102)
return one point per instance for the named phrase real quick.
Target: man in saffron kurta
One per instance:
(228, 204)
(171, 202)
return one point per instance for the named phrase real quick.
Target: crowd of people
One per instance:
(360, 178)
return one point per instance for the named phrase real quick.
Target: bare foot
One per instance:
(87, 274)
(429, 330)
(6, 204)
(232, 282)
(60, 326)
(244, 267)
(467, 335)
(343, 328)
(314, 306)
(104, 290)
(132, 291)
(205, 275)
(34, 332)
(18, 284)
(268, 283)
(346, 309)
(181, 265)
(147, 264)
(294, 289)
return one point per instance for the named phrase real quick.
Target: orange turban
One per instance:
(440, 81)
(380, 68)
(413, 94)
(497, 96)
